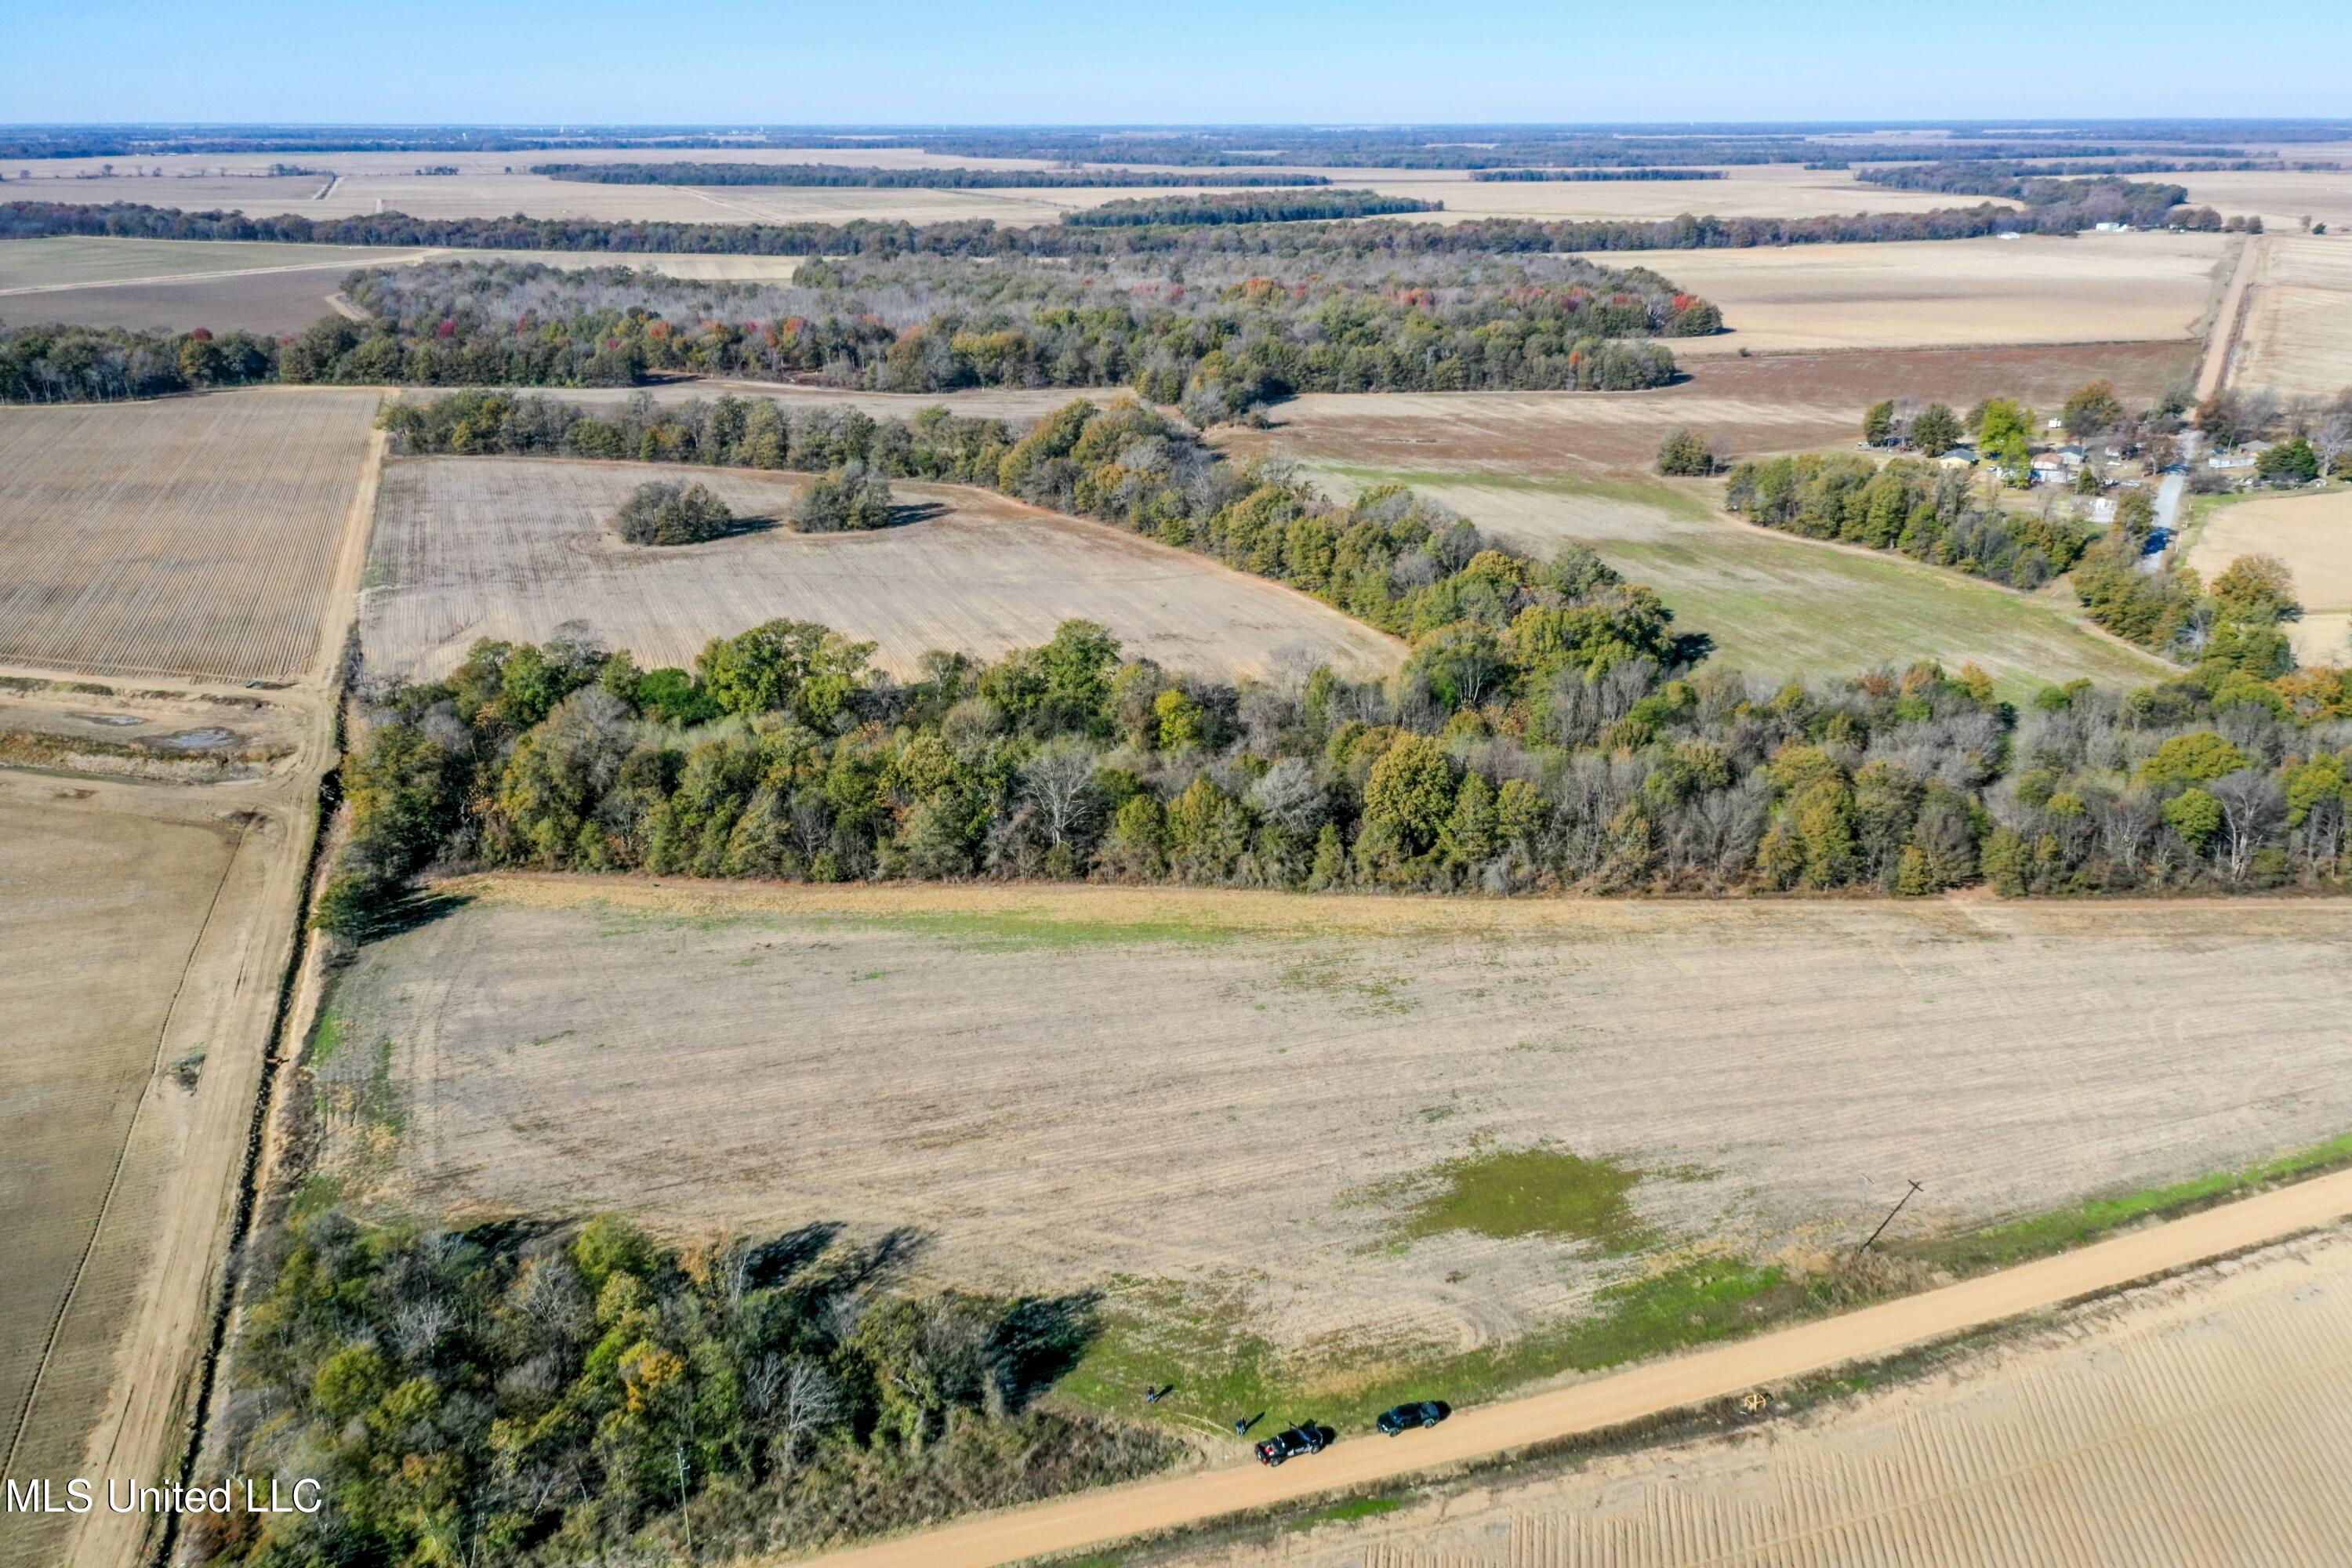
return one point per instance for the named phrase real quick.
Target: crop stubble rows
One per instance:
(469, 548)
(2197, 1422)
(193, 536)
(1056, 1105)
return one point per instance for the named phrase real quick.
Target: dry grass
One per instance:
(191, 536)
(1778, 606)
(2313, 534)
(2282, 198)
(99, 911)
(2095, 288)
(75, 260)
(2298, 333)
(469, 548)
(1244, 1097)
(1745, 407)
(2191, 1423)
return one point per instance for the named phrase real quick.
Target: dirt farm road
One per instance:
(1119, 1513)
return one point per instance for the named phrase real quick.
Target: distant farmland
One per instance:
(195, 536)
(490, 547)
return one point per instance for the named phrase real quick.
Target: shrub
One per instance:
(851, 498)
(1684, 453)
(663, 512)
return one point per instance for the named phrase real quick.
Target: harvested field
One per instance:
(2093, 287)
(164, 285)
(100, 914)
(2189, 1423)
(1778, 606)
(474, 547)
(2282, 198)
(495, 185)
(1023, 1075)
(2313, 534)
(195, 536)
(1746, 407)
(2298, 333)
(63, 261)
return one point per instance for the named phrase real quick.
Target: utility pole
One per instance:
(684, 1518)
(1887, 1221)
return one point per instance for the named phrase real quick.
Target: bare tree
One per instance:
(1060, 782)
(2252, 807)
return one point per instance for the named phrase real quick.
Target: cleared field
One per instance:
(72, 261)
(469, 548)
(2313, 534)
(2298, 331)
(1745, 407)
(2190, 1423)
(99, 913)
(2093, 287)
(495, 185)
(1778, 606)
(189, 536)
(2281, 198)
(1018, 405)
(1069, 1088)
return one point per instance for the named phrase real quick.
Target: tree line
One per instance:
(103, 364)
(1222, 339)
(1588, 174)
(978, 238)
(522, 1395)
(947, 179)
(1929, 513)
(1549, 728)
(1138, 211)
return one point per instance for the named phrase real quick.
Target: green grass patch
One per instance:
(1629, 492)
(1204, 1341)
(1507, 1193)
(1035, 929)
(2040, 1235)
(326, 1039)
(1353, 1509)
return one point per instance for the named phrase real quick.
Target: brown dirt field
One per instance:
(99, 913)
(2298, 333)
(2093, 287)
(2191, 1422)
(160, 917)
(1018, 406)
(474, 547)
(1022, 1073)
(61, 261)
(194, 536)
(273, 303)
(1748, 407)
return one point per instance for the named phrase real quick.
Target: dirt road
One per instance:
(2222, 341)
(1680, 1383)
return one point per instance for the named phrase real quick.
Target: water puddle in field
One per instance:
(113, 720)
(208, 740)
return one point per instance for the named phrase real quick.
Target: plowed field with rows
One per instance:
(2196, 1422)
(191, 536)
(514, 548)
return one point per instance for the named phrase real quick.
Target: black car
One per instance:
(1405, 1417)
(1306, 1438)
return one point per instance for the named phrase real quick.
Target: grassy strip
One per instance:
(1223, 1372)
(2040, 1235)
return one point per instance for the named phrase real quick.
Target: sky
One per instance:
(1200, 62)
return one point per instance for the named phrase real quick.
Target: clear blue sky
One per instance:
(1199, 62)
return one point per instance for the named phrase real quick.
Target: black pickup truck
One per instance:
(1305, 1438)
